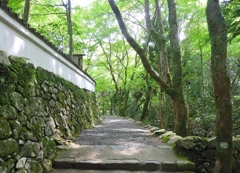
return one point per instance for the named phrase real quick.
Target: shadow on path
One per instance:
(118, 144)
(117, 131)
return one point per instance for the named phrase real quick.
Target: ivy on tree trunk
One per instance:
(221, 83)
(179, 103)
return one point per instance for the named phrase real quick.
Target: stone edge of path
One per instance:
(128, 164)
(160, 133)
(124, 164)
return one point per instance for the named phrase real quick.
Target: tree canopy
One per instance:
(152, 60)
(163, 61)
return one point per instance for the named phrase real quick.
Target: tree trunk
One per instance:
(145, 110)
(221, 83)
(160, 115)
(181, 118)
(68, 8)
(163, 67)
(201, 63)
(163, 55)
(174, 92)
(179, 104)
(111, 107)
(26, 10)
(103, 109)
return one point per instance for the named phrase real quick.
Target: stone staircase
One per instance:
(103, 158)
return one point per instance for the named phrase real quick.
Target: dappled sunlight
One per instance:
(103, 153)
(60, 70)
(130, 130)
(122, 131)
(114, 121)
(18, 45)
(100, 134)
(99, 126)
(54, 65)
(129, 152)
(116, 144)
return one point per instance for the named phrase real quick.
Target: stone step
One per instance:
(128, 158)
(105, 171)
(124, 164)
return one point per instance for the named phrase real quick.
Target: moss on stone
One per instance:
(8, 112)
(17, 101)
(9, 164)
(30, 149)
(5, 130)
(5, 94)
(37, 130)
(33, 166)
(16, 128)
(50, 148)
(25, 97)
(8, 147)
(25, 73)
(12, 77)
(25, 135)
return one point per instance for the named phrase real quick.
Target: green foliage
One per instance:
(235, 113)
(202, 116)
(43, 75)
(6, 90)
(50, 148)
(24, 73)
(20, 72)
(232, 14)
(165, 139)
(17, 6)
(96, 33)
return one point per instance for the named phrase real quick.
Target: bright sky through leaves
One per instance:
(82, 3)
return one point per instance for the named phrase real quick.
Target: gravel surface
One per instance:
(118, 131)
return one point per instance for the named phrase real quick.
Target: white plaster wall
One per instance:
(16, 40)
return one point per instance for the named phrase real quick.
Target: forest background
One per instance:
(123, 86)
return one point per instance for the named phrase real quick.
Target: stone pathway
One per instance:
(118, 131)
(118, 145)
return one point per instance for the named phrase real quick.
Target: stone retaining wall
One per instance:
(38, 111)
(201, 151)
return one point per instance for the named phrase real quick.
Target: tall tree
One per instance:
(148, 93)
(26, 10)
(68, 8)
(175, 92)
(161, 42)
(180, 106)
(221, 82)
(118, 58)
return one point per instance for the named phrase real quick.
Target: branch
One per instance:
(45, 14)
(139, 50)
(148, 19)
(48, 5)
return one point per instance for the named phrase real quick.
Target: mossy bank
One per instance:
(38, 111)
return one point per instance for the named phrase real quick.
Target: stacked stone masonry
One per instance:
(198, 150)
(38, 111)
(201, 151)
